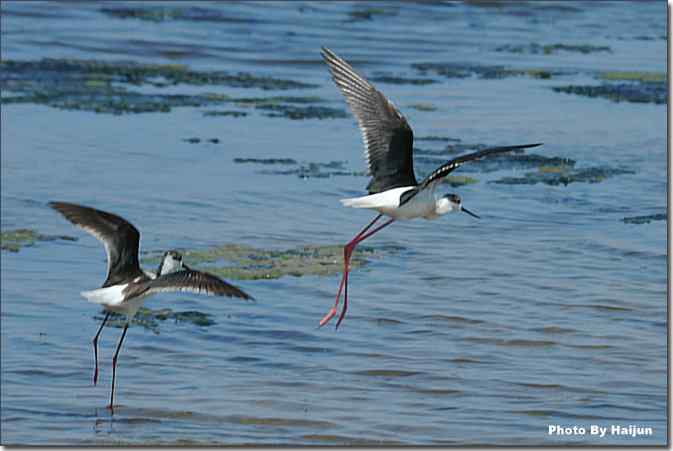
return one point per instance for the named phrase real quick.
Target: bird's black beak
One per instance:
(469, 212)
(186, 268)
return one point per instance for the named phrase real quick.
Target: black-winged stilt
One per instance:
(127, 284)
(393, 189)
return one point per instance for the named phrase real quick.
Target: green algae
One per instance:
(459, 180)
(137, 74)
(549, 49)
(633, 76)
(423, 106)
(275, 100)
(624, 86)
(290, 107)
(271, 161)
(395, 80)
(166, 13)
(195, 140)
(104, 87)
(303, 112)
(564, 175)
(539, 73)
(241, 262)
(641, 92)
(645, 219)
(304, 170)
(458, 70)
(14, 240)
(367, 13)
(213, 113)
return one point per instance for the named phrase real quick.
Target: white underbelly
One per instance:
(113, 300)
(420, 206)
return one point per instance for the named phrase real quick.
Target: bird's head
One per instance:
(449, 203)
(170, 262)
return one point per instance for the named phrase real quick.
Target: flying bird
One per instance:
(127, 284)
(393, 189)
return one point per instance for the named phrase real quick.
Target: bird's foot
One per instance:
(331, 314)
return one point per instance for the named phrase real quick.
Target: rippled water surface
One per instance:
(550, 310)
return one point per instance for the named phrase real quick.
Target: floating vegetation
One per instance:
(165, 13)
(645, 219)
(539, 73)
(305, 112)
(213, 113)
(103, 87)
(275, 100)
(317, 170)
(266, 160)
(564, 175)
(367, 13)
(150, 319)
(241, 262)
(644, 92)
(198, 140)
(656, 77)
(459, 180)
(14, 240)
(550, 49)
(423, 106)
(289, 107)
(304, 170)
(457, 70)
(394, 80)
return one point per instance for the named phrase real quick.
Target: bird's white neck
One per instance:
(169, 265)
(444, 206)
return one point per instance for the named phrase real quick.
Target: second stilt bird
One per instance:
(127, 284)
(393, 189)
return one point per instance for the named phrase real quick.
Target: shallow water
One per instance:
(550, 310)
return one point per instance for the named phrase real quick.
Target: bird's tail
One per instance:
(106, 296)
(377, 200)
(358, 202)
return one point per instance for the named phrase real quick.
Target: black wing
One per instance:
(120, 238)
(449, 166)
(387, 136)
(194, 282)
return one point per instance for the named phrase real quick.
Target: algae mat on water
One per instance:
(103, 86)
(241, 262)
(14, 240)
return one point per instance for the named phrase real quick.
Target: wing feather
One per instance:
(386, 134)
(195, 282)
(119, 237)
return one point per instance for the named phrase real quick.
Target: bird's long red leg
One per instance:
(351, 248)
(114, 366)
(95, 348)
(333, 310)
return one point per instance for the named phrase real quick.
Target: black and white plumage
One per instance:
(127, 285)
(393, 188)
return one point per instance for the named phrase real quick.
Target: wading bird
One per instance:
(393, 189)
(127, 284)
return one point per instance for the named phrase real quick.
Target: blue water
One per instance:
(550, 310)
